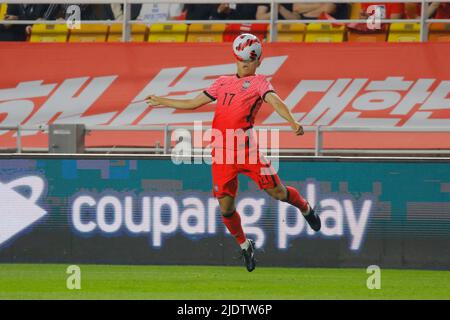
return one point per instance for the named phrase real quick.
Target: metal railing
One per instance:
(127, 22)
(167, 129)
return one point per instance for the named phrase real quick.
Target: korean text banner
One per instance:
(349, 84)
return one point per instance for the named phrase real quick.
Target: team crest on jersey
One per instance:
(246, 85)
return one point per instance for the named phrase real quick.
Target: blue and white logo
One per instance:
(19, 211)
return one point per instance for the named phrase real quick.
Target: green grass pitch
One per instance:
(48, 281)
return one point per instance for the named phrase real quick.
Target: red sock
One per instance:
(296, 199)
(233, 224)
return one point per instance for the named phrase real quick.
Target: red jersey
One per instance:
(443, 11)
(238, 100)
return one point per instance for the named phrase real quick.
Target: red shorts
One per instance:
(259, 169)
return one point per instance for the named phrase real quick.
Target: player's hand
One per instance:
(363, 14)
(223, 8)
(11, 17)
(298, 129)
(153, 100)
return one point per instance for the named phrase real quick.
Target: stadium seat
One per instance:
(354, 35)
(290, 32)
(439, 32)
(359, 36)
(49, 33)
(233, 30)
(89, 33)
(199, 32)
(166, 32)
(324, 32)
(138, 33)
(404, 32)
(3, 7)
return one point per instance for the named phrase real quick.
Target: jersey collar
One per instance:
(237, 76)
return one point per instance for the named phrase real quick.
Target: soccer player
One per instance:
(239, 98)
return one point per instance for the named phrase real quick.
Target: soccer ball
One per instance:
(247, 47)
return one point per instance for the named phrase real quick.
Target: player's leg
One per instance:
(292, 196)
(225, 188)
(232, 221)
(267, 179)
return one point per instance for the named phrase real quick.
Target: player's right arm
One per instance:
(185, 104)
(280, 107)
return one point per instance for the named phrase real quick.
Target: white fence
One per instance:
(167, 129)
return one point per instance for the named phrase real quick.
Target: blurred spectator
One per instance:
(87, 11)
(387, 10)
(117, 11)
(314, 10)
(285, 12)
(342, 11)
(200, 11)
(233, 11)
(160, 11)
(438, 10)
(412, 10)
(98, 12)
(9, 32)
(47, 12)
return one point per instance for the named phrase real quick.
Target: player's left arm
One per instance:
(280, 107)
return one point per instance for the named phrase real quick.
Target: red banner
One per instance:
(350, 84)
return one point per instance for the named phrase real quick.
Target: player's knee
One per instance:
(227, 212)
(227, 209)
(279, 194)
